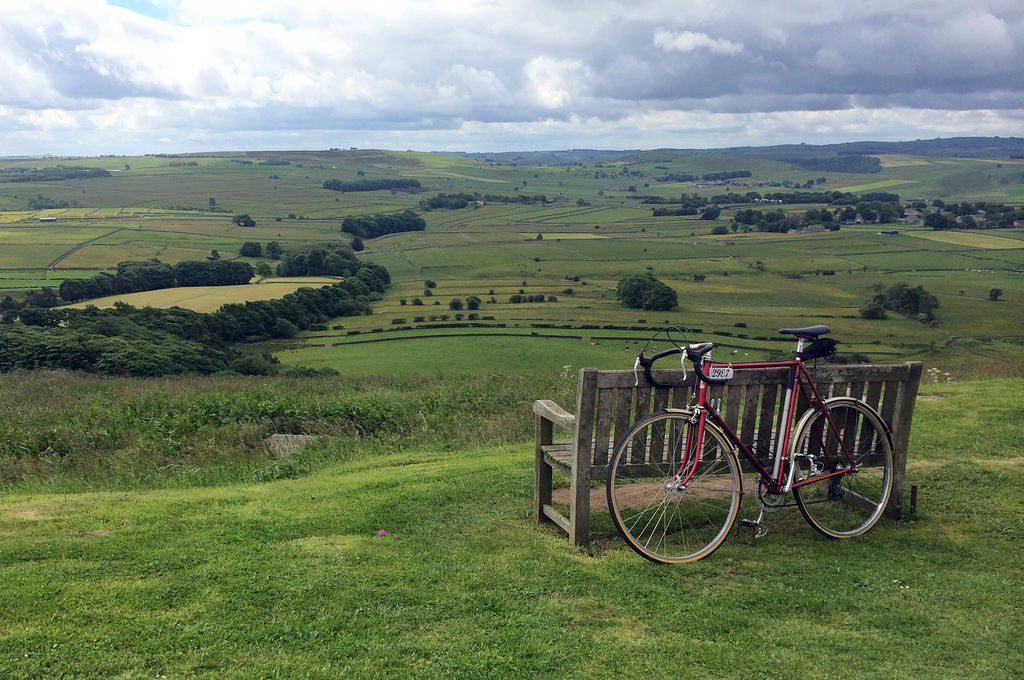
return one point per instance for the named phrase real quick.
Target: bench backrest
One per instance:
(608, 402)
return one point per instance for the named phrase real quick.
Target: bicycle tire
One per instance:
(850, 504)
(665, 524)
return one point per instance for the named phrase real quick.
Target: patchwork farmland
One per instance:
(568, 250)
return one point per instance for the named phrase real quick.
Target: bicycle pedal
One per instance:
(751, 523)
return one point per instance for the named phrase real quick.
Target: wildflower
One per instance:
(382, 533)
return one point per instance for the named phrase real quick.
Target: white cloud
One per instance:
(452, 73)
(689, 41)
(554, 83)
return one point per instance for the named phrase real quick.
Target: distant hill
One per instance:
(953, 147)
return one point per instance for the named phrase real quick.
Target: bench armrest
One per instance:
(549, 410)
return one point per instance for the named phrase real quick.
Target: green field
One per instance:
(148, 528)
(123, 554)
(753, 283)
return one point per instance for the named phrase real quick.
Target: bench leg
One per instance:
(542, 471)
(579, 506)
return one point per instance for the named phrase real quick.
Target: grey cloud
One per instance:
(315, 65)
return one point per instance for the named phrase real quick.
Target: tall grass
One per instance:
(68, 430)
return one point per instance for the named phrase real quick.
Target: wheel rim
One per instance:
(659, 517)
(849, 504)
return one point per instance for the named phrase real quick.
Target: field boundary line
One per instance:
(80, 246)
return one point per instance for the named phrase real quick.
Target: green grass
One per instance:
(766, 281)
(291, 579)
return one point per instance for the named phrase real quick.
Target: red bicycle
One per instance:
(675, 484)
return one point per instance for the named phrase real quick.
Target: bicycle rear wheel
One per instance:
(848, 504)
(657, 516)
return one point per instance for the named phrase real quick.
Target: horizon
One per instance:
(45, 156)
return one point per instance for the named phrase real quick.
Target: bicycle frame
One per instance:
(798, 376)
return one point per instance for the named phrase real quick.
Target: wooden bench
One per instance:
(608, 402)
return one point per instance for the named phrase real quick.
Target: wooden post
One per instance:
(901, 422)
(579, 492)
(542, 471)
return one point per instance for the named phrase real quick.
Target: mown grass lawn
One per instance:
(293, 579)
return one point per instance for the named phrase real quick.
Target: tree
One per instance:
(455, 303)
(936, 221)
(643, 291)
(284, 328)
(213, 201)
(993, 295)
(872, 310)
(902, 299)
(251, 249)
(472, 302)
(214, 255)
(264, 269)
(712, 212)
(243, 221)
(429, 284)
(357, 244)
(274, 250)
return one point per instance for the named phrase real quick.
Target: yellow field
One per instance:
(49, 235)
(874, 186)
(210, 298)
(565, 236)
(961, 238)
(896, 161)
(15, 216)
(107, 256)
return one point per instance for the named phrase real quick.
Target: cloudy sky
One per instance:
(95, 77)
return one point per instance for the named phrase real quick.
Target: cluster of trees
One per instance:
(539, 297)
(707, 177)
(327, 262)
(689, 205)
(448, 201)
(135, 277)
(902, 299)
(778, 221)
(255, 249)
(372, 226)
(523, 199)
(371, 184)
(643, 291)
(722, 176)
(842, 163)
(52, 174)
(149, 341)
(771, 221)
(971, 215)
(41, 202)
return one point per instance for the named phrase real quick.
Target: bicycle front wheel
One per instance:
(848, 504)
(669, 504)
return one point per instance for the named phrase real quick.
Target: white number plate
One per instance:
(720, 372)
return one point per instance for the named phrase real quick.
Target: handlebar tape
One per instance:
(694, 353)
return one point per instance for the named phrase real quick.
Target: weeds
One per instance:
(113, 432)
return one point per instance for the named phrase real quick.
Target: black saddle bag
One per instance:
(822, 348)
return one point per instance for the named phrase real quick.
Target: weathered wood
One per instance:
(579, 493)
(902, 418)
(541, 469)
(609, 402)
